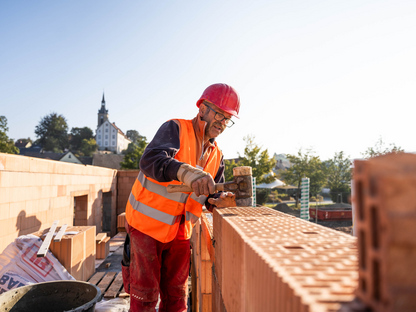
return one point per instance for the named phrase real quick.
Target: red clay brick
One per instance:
(288, 264)
(386, 225)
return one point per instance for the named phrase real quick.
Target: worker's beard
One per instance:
(213, 129)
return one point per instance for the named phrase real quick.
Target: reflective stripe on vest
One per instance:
(152, 212)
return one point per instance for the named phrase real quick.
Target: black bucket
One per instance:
(57, 296)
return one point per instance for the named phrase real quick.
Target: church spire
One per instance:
(102, 113)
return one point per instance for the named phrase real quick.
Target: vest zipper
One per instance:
(203, 139)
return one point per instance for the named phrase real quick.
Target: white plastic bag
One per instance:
(19, 264)
(113, 305)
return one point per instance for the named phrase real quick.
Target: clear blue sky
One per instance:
(328, 75)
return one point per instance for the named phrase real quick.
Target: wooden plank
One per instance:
(96, 278)
(100, 236)
(106, 281)
(60, 233)
(115, 287)
(43, 249)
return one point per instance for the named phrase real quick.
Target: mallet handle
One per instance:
(172, 188)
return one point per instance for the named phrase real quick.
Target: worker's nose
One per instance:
(224, 122)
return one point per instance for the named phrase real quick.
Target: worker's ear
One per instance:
(202, 110)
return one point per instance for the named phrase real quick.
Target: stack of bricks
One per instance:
(385, 203)
(266, 260)
(121, 222)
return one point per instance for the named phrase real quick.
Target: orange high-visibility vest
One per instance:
(157, 213)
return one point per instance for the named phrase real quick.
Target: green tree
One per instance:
(258, 159)
(134, 153)
(228, 172)
(88, 147)
(305, 165)
(78, 135)
(380, 148)
(338, 171)
(6, 144)
(52, 133)
(134, 136)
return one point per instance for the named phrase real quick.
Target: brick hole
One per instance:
(362, 249)
(229, 215)
(363, 285)
(293, 247)
(250, 220)
(360, 200)
(374, 227)
(376, 280)
(310, 232)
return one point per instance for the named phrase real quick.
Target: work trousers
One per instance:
(155, 268)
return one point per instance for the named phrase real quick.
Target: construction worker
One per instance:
(160, 223)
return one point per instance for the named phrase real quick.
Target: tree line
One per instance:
(53, 135)
(335, 174)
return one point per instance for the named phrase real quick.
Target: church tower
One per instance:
(102, 113)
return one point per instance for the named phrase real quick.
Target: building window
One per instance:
(99, 131)
(114, 136)
(114, 143)
(99, 137)
(106, 130)
(106, 136)
(69, 156)
(106, 143)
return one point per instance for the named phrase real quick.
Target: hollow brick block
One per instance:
(386, 225)
(288, 264)
(232, 268)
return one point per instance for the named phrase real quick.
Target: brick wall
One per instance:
(265, 260)
(34, 192)
(125, 181)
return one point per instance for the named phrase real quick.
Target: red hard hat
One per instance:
(223, 96)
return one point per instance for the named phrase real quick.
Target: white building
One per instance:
(108, 136)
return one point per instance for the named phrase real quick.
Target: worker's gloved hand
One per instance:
(226, 199)
(200, 181)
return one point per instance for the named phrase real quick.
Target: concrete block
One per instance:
(37, 165)
(4, 211)
(17, 163)
(16, 208)
(4, 195)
